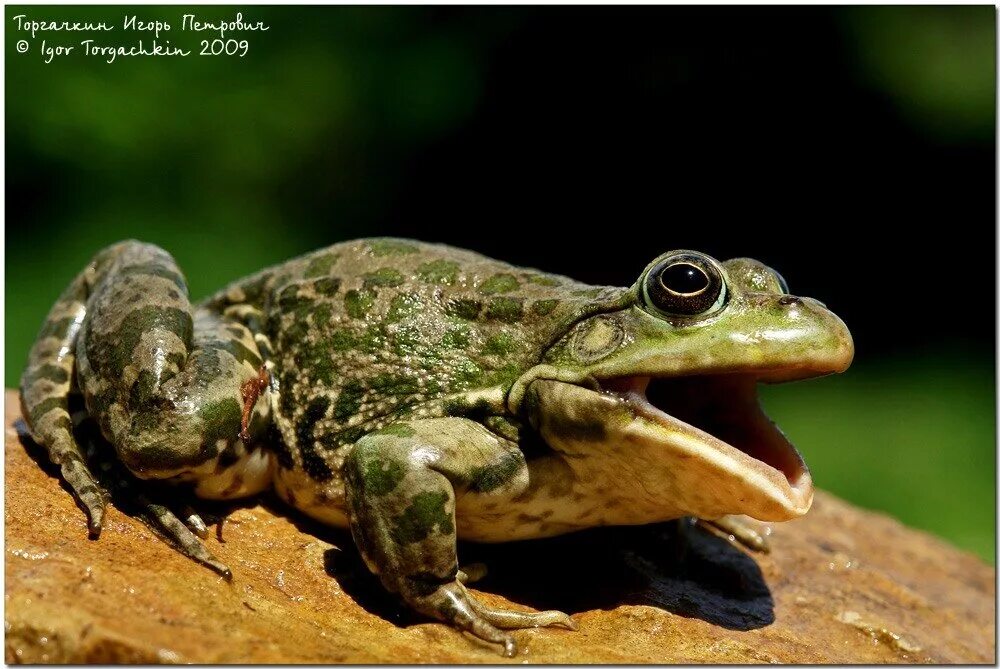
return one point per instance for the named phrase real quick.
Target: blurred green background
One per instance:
(852, 148)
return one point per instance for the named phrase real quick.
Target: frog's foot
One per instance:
(183, 538)
(195, 522)
(740, 529)
(55, 434)
(474, 571)
(77, 475)
(515, 620)
(452, 603)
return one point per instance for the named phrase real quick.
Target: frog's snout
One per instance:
(802, 338)
(840, 348)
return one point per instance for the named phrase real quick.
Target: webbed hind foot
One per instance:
(183, 539)
(453, 604)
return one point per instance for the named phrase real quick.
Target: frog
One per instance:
(415, 394)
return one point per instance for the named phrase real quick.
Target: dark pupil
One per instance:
(684, 278)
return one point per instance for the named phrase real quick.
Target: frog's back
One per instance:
(374, 331)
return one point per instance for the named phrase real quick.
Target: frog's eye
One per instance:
(782, 284)
(684, 284)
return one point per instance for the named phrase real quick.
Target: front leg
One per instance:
(401, 486)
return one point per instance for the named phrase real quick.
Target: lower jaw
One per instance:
(711, 437)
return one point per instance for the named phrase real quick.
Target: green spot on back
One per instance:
(466, 373)
(543, 307)
(342, 340)
(457, 336)
(465, 308)
(357, 303)
(505, 309)
(321, 314)
(501, 343)
(320, 265)
(406, 339)
(295, 331)
(395, 384)
(499, 283)
(253, 288)
(351, 435)
(384, 276)
(372, 339)
(403, 306)
(438, 271)
(348, 401)
(388, 247)
(543, 280)
(316, 358)
(328, 285)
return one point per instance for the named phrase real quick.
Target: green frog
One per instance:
(418, 393)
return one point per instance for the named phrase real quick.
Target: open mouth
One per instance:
(719, 418)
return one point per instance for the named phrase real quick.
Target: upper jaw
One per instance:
(806, 341)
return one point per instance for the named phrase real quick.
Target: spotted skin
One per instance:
(414, 393)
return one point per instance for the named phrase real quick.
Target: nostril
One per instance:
(789, 299)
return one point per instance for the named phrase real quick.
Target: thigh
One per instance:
(163, 382)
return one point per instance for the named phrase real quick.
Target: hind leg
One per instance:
(46, 385)
(163, 383)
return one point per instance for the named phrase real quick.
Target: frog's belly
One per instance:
(249, 475)
(537, 519)
(512, 522)
(321, 500)
(559, 500)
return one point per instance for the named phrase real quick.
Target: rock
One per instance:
(840, 585)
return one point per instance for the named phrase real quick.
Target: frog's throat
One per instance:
(702, 445)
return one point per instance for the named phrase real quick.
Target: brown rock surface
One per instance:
(841, 585)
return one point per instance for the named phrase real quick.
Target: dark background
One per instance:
(853, 149)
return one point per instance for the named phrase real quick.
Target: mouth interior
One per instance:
(724, 408)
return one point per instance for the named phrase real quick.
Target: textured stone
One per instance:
(841, 585)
